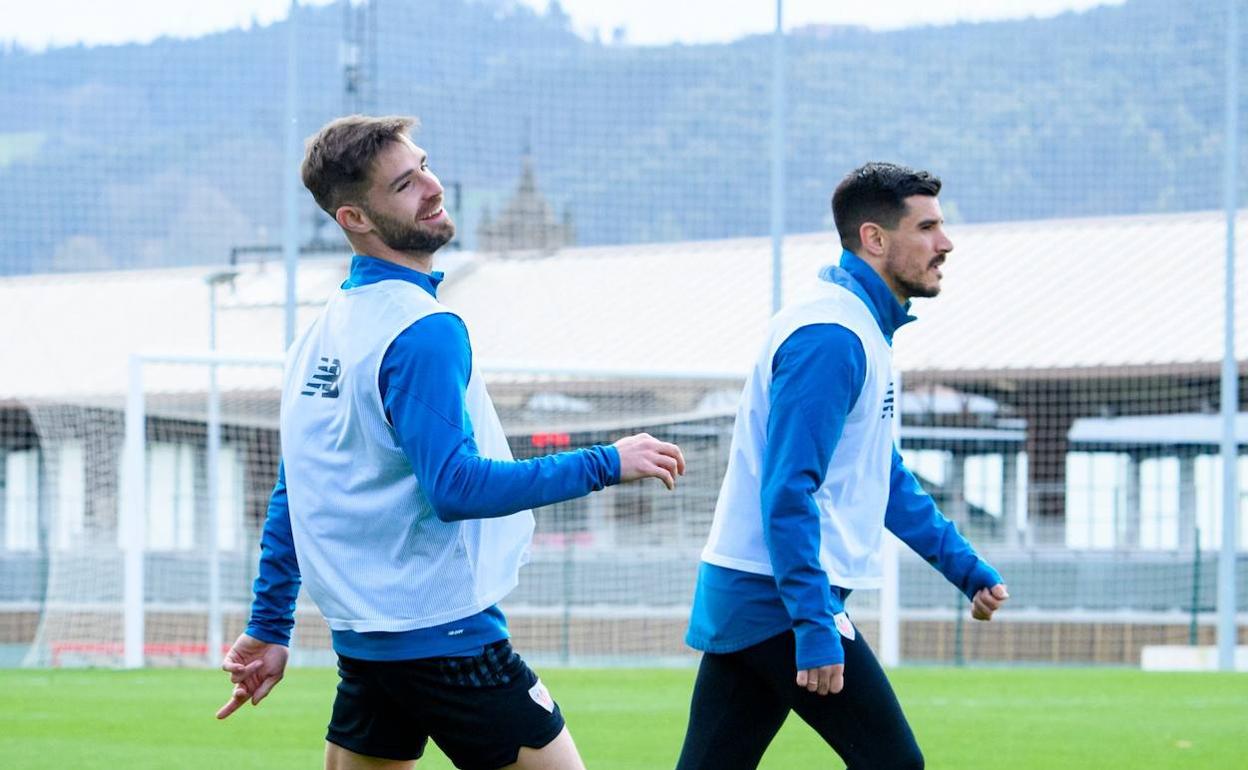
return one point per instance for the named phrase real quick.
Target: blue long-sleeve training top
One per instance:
(422, 381)
(817, 374)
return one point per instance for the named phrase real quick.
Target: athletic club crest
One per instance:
(541, 696)
(844, 625)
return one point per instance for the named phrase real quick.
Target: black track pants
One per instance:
(741, 698)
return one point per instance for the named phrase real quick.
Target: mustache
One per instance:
(435, 203)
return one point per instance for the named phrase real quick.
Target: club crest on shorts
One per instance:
(844, 625)
(541, 696)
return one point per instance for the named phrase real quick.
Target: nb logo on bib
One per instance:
(324, 380)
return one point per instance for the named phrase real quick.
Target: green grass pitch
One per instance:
(964, 719)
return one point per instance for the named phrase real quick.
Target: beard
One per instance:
(412, 236)
(916, 289)
(911, 282)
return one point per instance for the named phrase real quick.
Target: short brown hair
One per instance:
(339, 157)
(876, 192)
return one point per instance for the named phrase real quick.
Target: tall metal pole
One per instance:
(1230, 371)
(777, 158)
(290, 217)
(212, 464)
(132, 521)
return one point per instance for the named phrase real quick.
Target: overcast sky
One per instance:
(40, 23)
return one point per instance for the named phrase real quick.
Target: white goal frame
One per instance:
(132, 523)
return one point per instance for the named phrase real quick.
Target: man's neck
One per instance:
(899, 295)
(877, 266)
(419, 261)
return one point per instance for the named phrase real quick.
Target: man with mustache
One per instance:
(813, 479)
(398, 504)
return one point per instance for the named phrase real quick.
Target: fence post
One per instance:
(1227, 628)
(132, 516)
(1193, 628)
(213, 473)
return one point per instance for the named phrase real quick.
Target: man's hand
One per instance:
(255, 668)
(988, 601)
(822, 680)
(644, 456)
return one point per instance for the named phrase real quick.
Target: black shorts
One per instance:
(479, 710)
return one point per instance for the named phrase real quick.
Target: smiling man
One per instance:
(813, 479)
(398, 504)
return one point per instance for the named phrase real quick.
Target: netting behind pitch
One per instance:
(73, 581)
(613, 264)
(176, 148)
(609, 575)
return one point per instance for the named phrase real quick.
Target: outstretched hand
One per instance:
(988, 601)
(644, 456)
(255, 668)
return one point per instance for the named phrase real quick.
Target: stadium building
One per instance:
(1073, 434)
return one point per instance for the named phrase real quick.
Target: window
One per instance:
(70, 499)
(229, 499)
(1209, 500)
(170, 497)
(983, 483)
(21, 500)
(929, 465)
(1096, 484)
(1159, 503)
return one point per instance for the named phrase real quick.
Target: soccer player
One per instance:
(398, 504)
(813, 479)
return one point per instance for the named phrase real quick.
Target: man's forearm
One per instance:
(476, 487)
(424, 381)
(817, 374)
(276, 586)
(791, 529)
(913, 517)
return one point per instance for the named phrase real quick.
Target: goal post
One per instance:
(133, 508)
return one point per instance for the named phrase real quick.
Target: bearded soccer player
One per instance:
(398, 504)
(813, 480)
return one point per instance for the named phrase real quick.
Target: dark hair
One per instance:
(339, 157)
(876, 192)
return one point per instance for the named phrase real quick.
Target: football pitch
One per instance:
(635, 718)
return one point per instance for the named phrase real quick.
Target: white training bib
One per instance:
(854, 493)
(372, 552)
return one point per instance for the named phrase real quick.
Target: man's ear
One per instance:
(353, 219)
(874, 238)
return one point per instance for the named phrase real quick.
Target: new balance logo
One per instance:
(324, 380)
(887, 411)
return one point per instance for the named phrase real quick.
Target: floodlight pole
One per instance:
(1227, 630)
(777, 159)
